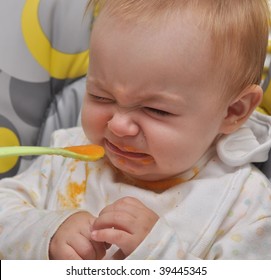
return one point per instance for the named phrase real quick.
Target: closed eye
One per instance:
(101, 99)
(157, 111)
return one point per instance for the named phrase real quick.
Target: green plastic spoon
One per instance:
(85, 152)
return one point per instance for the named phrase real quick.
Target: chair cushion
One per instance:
(43, 56)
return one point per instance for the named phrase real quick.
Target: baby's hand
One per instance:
(72, 241)
(124, 223)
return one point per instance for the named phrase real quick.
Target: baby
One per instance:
(170, 93)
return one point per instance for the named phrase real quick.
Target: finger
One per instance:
(119, 220)
(128, 204)
(83, 247)
(120, 238)
(64, 253)
(100, 249)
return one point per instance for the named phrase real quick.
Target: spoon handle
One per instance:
(33, 150)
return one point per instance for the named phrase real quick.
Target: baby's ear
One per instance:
(241, 108)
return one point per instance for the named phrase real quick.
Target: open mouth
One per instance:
(132, 155)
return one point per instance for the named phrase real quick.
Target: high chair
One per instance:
(43, 59)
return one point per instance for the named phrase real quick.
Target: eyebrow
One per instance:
(153, 95)
(98, 83)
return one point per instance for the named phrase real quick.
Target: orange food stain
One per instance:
(156, 186)
(196, 171)
(147, 161)
(72, 165)
(72, 198)
(26, 203)
(220, 232)
(129, 149)
(75, 189)
(121, 161)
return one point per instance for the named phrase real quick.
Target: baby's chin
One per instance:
(138, 170)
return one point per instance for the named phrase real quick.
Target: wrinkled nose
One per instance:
(122, 124)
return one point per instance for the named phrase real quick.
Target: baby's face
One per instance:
(151, 100)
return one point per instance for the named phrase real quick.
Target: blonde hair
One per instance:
(239, 31)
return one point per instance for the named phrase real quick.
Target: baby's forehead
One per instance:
(184, 47)
(173, 30)
(179, 41)
(237, 32)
